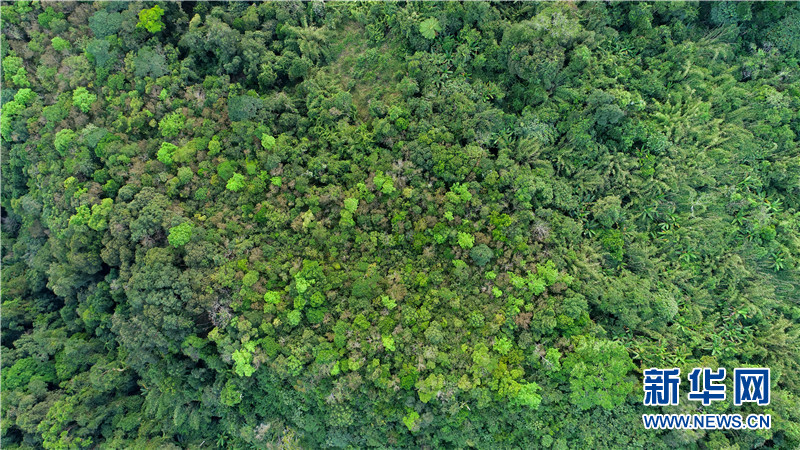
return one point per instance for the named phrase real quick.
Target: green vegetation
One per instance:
(429, 28)
(181, 234)
(423, 225)
(150, 19)
(236, 182)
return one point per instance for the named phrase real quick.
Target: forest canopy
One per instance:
(394, 225)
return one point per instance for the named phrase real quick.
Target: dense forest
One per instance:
(395, 225)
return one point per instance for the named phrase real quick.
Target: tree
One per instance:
(100, 214)
(250, 278)
(502, 345)
(225, 170)
(351, 204)
(530, 57)
(388, 302)
(47, 17)
(171, 124)
(63, 140)
(166, 152)
(149, 62)
(598, 374)
(528, 396)
(185, 174)
(411, 420)
(607, 211)
(429, 28)
(427, 388)
(267, 141)
(243, 359)
(150, 19)
(83, 99)
(388, 343)
(25, 96)
(231, 395)
(784, 33)
(272, 297)
(14, 71)
(465, 240)
(481, 254)
(236, 182)
(60, 44)
(346, 219)
(105, 23)
(383, 183)
(180, 235)
(294, 317)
